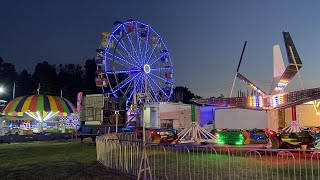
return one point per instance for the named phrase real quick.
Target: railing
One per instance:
(206, 162)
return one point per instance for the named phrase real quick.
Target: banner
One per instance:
(79, 101)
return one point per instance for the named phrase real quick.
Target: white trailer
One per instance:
(167, 115)
(240, 118)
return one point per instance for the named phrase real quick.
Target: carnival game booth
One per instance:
(16, 125)
(39, 112)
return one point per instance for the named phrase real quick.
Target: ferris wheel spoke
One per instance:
(123, 65)
(125, 48)
(139, 41)
(154, 93)
(124, 57)
(130, 51)
(131, 43)
(123, 71)
(141, 86)
(165, 80)
(127, 90)
(162, 68)
(162, 55)
(122, 60)
(153, 50)
(147, 41)
(135, 87)
(160, 88)
(124, 82)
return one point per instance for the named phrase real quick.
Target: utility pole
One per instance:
(38, 89)
(14, 89)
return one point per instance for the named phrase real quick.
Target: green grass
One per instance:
(52, 160)
(182, 164)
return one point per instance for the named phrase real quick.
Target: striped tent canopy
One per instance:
(42, 104)
(16, 118)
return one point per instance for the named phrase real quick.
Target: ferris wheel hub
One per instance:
(146, 68)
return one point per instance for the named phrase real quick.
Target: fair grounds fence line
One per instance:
(123, 152)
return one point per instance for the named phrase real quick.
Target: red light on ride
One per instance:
(152, 132)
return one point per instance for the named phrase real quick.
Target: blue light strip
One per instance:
(154, 93)
(159, 87)
(142, 84)
(122, 59)
(127, 81)
(123, 71)
(134, 49)
(139, 43)
(163, 68)
(153, 50)
(123, 47)
(165, 80)
(135, 87)
(158, 58)
(146, 50)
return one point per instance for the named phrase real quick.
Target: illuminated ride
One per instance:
(277, 98)
(195, 133)
(133, 62)
(41, 108)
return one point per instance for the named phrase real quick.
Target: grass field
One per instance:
(52, 160)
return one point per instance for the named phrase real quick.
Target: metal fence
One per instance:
(124, 153)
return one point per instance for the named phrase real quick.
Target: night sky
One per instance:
(205, 38)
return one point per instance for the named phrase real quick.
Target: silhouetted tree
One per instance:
(90, 75)
(46, 75)
(183, 94)
(8, 74)
(24, 84)
(70, 79)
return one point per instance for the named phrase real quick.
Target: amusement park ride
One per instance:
(134, 63)
(277, 98)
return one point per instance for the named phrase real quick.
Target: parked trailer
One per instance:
(230, 118)
(166, 115)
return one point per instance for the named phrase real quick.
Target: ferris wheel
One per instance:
(134, 62)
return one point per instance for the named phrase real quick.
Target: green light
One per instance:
(230, 137)
(239, 143)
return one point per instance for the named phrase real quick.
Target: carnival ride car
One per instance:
(243, 137)
(301, 140)
(168, 136)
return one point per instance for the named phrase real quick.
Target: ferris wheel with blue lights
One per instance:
(134, 62)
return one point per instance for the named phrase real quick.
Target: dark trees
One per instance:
(183, 94)
(8, 75)
(45, 74)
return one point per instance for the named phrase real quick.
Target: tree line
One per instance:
(68, 79)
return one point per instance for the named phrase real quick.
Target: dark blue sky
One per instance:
(205, 38)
